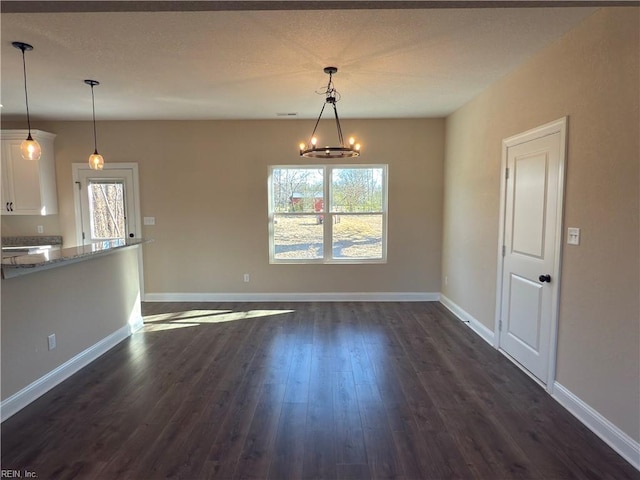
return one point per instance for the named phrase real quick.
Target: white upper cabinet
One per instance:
(28, 187)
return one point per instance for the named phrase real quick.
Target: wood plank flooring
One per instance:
(303, 390)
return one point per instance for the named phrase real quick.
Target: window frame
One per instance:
(328, 224)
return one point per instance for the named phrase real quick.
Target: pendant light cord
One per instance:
(95, 136)
(26, 95)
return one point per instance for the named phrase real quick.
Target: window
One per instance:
(328, 214)
(106, 209)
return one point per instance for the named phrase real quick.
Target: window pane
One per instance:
(297, 237)
(106, 204)
(357, 236)
(356, 190)
(297, 190)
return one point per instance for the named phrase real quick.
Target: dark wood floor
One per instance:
(303, 390)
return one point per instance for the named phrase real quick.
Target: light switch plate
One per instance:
(149, 220)
(573, 236)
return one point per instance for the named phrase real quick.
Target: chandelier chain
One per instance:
(340, 137)
(316, 125)
(332, 96)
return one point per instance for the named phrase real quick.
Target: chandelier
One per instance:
(311, 149)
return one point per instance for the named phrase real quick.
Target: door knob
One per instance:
(545, 278)
(131, 235)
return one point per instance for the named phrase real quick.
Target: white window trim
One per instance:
(328, 216)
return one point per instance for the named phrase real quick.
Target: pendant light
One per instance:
(96, 162)
(311, 149)
(30, 149)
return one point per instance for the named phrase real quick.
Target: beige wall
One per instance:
(591, 75)
(81, 303)
(205, 182)
(19, 225)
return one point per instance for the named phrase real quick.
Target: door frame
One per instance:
(77, 167)
(75, 170)
(558, 126)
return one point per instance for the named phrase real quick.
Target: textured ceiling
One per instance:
(251, 63)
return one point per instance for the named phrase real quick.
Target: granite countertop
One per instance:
(19, 265)
(33, 240)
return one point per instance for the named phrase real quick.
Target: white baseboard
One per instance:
(295, 297)
(627, 447)
(31, 392)
(136, 325)
(475, 325)
(136, 322)
(622, 443)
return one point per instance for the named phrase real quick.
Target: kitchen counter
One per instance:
(84, 300)
(24, 264)
(37, 240)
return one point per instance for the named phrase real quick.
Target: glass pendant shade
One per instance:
(96, 162)
(30, 149)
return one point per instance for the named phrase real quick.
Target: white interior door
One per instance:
(532, 228)
(107, 205)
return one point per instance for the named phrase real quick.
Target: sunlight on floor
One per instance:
(195, 318)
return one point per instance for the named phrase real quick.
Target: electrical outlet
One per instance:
(52, 341)
(246, 278)
(40, 229)
(149, 220)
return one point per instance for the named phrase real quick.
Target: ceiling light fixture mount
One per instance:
(311, 149)
(96, 162)
(30, 149)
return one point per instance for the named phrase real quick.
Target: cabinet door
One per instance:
(7, 195)
(24, 176)
(28, 187)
